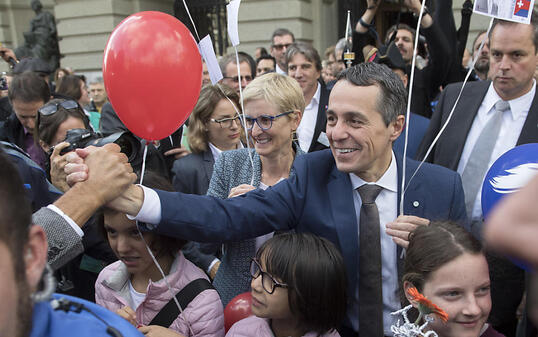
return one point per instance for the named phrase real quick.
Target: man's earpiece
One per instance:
(28, 254)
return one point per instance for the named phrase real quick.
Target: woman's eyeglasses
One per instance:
(226, 122)
(265, 122)
(268, 282)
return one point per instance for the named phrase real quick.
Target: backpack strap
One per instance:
(170, 311)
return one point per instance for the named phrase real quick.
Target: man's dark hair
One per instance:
(534, 23)
(15, 221)
(243, 57)
(29, 87)
(288, 257)
(15, 211)
(476, 38)
(391, 101)
(309, 52)
(282, 32)
(394, 29)
(266, 57)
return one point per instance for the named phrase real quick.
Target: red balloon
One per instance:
(237, 309)
(152, 71)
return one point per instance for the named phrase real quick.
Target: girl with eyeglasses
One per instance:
(447, 265)
(298, 288)
(273, 108)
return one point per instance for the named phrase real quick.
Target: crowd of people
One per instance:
(284, 183)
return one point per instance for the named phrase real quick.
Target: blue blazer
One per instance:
(317, 199)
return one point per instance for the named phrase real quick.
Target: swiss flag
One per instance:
(522, 8)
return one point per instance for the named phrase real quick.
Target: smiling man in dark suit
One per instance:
(491, 118)
(348, 194)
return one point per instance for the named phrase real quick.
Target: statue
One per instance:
(42, 39)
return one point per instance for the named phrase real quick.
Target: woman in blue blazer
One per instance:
(273, 106)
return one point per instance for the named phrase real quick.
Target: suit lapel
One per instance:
(208, 162)
(529, 133)
(321, 119)
(345, 220)
(413, 201)
(461, 122)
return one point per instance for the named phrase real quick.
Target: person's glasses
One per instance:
(235, 79)
(281, 46)
(51, 108)
(268, 282)
(226, 122)
(264, 121)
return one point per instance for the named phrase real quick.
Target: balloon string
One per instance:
(192, 21)
(453, 108)
(408, 111)
(243, 114)
(144, 163)
(149, 250)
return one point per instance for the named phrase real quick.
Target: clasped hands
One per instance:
(105, 171)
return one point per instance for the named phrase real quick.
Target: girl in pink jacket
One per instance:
(134, 288)
(298, 289)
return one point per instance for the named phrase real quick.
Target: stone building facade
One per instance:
(85, 25)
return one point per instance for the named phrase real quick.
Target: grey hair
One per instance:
(340, 45)
(392, 100)
(309, 52)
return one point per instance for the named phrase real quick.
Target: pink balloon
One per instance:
(152, 71)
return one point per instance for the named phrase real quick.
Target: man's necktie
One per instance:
(370, 291)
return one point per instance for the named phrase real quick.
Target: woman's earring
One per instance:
(48, 286)
(294, 136)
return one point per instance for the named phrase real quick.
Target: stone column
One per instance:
(85, 26)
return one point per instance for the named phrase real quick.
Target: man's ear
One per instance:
(35, 256)
(407, 285)
(397, 127)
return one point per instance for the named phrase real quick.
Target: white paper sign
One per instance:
(512, 10)
(208, 53)
(233, 14)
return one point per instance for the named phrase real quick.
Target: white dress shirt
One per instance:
(511, 127)
(280, 71)
(67, 219)
(387, 205)
(305, 131)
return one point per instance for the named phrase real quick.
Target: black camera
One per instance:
(81, 138)
(3, 83)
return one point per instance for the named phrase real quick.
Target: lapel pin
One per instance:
(416, 204)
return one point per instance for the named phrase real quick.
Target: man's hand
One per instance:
(214, 270)
(109, 172)
(128, 314)
(158, 331)
(57, 166)
(400, 228)
(241, 189)
(177, 152)
(7, 54)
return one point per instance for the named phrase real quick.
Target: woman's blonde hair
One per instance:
(283, 92)
(210, 96)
